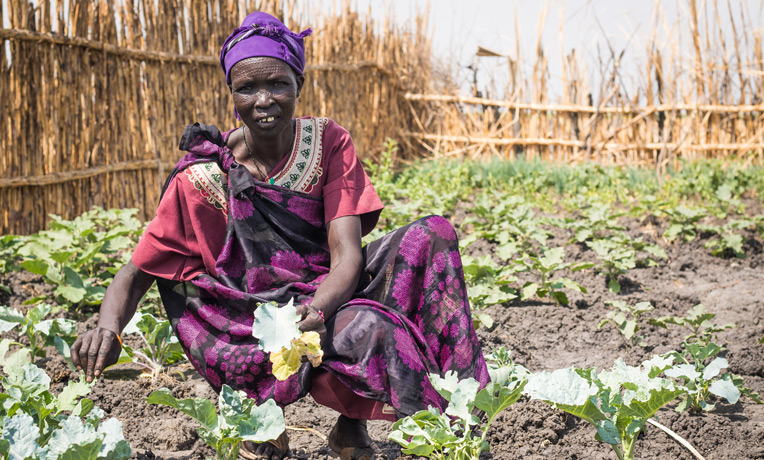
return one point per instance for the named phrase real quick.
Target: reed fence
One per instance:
(692, 88)
(95, 94)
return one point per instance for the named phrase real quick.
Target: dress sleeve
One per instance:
(186, 236)
(348, 190)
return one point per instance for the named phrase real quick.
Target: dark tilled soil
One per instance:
(542, 336)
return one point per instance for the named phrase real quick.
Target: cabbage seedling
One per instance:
(40, 332)
(700, 380)
(455, 434)
(240, 419)
(34, 424)
(697, 321)
(161, 346)
(74, 439)
(626, 319)
(545, 266)
(617, 403)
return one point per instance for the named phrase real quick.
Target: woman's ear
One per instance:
(300, 81)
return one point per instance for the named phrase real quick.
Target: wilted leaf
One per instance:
(286, 362)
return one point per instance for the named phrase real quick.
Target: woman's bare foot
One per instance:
(350, 441)
(270, 450)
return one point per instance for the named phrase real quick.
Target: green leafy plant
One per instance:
(727, 242)
(682, 222)
(726, 201)
(597, 221)
(697, 321)
(382, 171)
(617, 403)
(487, 284)
(35, 424)
(239, 420)
(161, 347)
(625, 318)
(701, 378)
(615, 260)
(40, 332)
(545, 266)
(74, 439)
(502, 368)
(80, 256)
(456, 434)
(8, 247)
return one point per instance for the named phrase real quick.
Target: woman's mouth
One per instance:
(266, 119)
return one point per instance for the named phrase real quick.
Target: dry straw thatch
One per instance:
(696, 99)
(95, 96)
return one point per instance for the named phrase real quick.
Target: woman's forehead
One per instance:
(260, 67)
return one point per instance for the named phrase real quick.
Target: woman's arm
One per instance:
(99, 348)
(344, 271)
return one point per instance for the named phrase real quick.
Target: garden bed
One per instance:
(542, 336)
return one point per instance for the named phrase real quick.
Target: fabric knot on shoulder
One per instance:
(204, 143)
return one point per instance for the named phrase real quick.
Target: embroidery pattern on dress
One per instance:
(303, 169)
(211, 182)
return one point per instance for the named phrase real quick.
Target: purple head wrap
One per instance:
(262, 35)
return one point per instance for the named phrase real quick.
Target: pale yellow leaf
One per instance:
(285, 362)
(313, 351)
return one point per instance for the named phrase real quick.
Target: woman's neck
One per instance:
(270, 151)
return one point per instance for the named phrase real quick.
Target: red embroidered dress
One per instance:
(222, 242)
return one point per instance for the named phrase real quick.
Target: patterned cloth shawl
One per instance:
(408, 317)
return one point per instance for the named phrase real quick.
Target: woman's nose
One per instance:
(263, 98)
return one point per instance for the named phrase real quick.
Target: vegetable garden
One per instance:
(606, 300)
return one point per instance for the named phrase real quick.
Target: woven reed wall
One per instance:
(94, 98)
(691, 87)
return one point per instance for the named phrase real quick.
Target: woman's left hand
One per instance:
(311, 320)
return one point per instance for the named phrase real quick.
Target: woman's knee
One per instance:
(436, 225)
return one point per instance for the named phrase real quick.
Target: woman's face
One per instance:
(265, 91)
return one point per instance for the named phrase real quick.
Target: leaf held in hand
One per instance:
(276, 326)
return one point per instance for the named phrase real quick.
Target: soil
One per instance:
(542, 336)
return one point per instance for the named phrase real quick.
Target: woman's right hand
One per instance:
(99, 348)
(96, 350)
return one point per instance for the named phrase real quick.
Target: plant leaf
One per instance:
(714, 368)
(608, 432)
(494, 398)
(73, 440)
(725, 389)
(463, 400)
(67, 399)
(563, 386)
(276, 326)
(445, 385)
(313, 350)
(265, 422)
(286, 362)
(200, 409)
(21, 433)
